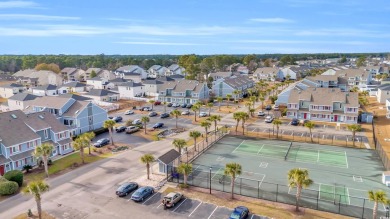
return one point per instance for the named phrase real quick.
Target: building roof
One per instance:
(12, 85)
(76, 108)
(22, 155)
(174, 67)
(23, 97)
(4, 160)
(221, 74)
(130, 84)
(118, 80)
(96, 70)
(74, 84)
(267, 70)
(155, 67)
(324, 96)
(69, 71)
(152, 82)
(322, 78)
(55, 102)
(74, 96)
(99, 92)
(353, 73)
(237, 81)
(176, 77)
(44, 120)
(384, 87)
(46, 87)
(182, 85)
(5, 77)
(168, 157)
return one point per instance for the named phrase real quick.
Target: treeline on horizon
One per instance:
(14, 63)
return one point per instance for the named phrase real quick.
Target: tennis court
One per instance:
(342, 176)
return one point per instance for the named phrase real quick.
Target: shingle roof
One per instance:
(23, 97)
(74, 84)
(50, 101)
(324, 96)
(4, 160)
(224, 74)
(44, 120)
(69, 71)
(12, 85)
(21, 155)
(152, 82)
(384, 87)
(89, 71)
(267, 70)
(173, 67)
(99, 92)
(130, 84)
(46, 87)
(238, 81)
(74, 96)
(168, 157)
(182, 85)
(352, 73)
(76, 107)
(116, 80)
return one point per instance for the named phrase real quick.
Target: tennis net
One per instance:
(288, 151)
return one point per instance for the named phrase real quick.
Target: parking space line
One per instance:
(212, 212)
(302, 135)
(150, 198)
(252, 216)
(195, 209)
(179, 204)
(159, 205)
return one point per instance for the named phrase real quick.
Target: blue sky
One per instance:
(194, 26)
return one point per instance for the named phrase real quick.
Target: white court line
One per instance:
(212, 212)
(302, 135)
(319, 191)
(292, 133)
(238, 146)
(179, 205)
(346, 159)
(282, 132)
(150, 198)
(258, 152)
(254, 129)
(318, 157)
(349, 200)
(195, 209)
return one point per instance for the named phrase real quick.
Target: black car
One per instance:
(152, 114)
(189, 106)
(164, 115)
(101, 142)
(110, 117)
(158, 125)
(118, 119)
(120, 129)
(294, 122)
(126, 189)
(169, 104)
(268, 107)
(184, 105)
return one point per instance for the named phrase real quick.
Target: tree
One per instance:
(79, 144)
(89, 136)
(195, 134)
(248, 104)
(206, 125)
(179, 144)
(298, 178)
(237, 117)
(219, 99)
(310, 125)
(236, 94)
(277, 122)
(145, 120)
(176, 113)
(253, 100)
(377, 197)
(44, 151)
(152, 103)
(185, 169)
(262, 99)
(215, 119)
(93, 74)
(363, 101)
(354, 128)
(360, 61)
(147, 159)
(228, 97)
(233, 170)
(109, 124)
(343, 59)
(48, 67)
(36, 189)
(249, 58)
(165, 106)
(267, 63)
(244, 117)
(210, 105)
(195, 108)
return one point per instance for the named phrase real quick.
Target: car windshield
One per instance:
(235, 215)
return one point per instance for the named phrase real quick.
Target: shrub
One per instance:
(15, 176)
(27, 168)
(8, 188)
(2, 179)
(129, 122)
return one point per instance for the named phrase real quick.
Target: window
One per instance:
(16, 148)
(46, 132)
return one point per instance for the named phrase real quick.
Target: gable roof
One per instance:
(54, 102)
(46, 87)
(174, 67)
(99, 92)
(23, 97)
(152, 82)
(237, 81)
(168, 157)
(96, 70)
(44, 120)
(130, 84)
(12, 85)
(222, 74)
(75, 108)
(69, 71)
(384, 87)
(324, 96)
(74, 96)
(182, 85)
(267, 70)
(74, 84)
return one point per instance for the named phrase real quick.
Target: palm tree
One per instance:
(228, 97)
(179, 144)
(252, 111)
(176, 113)
(195, 134)
(244, 117)
(298, 178)
(219, 99)
(165, 106)
(109, 124)
(185, 169)
(262, 101)
(89, 136)
(363, 101)
(354, 128)
(237, 117)
(147, 159)
(145, 120)
(277, 122)
(195, 109)
(37, 188)
(233, 170)
(210, 105)
(152, 103)
(215, 119)
(44, 151)
(206, 125)
(236, 94)
(310, 125)
(253, 100)
(79, 144)
(199, 105)
(248, 104)
(355, 89)
(377, 197)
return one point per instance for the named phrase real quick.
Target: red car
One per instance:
(157, 103)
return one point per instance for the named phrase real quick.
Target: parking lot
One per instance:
(187, 208)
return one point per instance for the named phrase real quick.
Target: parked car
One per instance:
(169, 104)
(158, 125)
(171, 199)
(131, 129)
(184, 105)
(101, 142)
(240, 212)
(164, 115)
(146, 108)
(269, 119)
(268, 107)
(110, 117)
(157, 103)
(120, 129)
(129, 112)
(142, 193)
(126, 188)
(295, 122)
(260, 113)
(152, 114)
(137, 122)
(276, 107)
(189, 106)
(187, 112)
(117, 118)
(203, 114)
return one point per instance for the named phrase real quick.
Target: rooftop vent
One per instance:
(41, 116)
(14, 116)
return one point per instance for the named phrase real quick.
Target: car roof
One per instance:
(171, 194)
(240, 208)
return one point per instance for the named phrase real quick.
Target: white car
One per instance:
(203, 114)
(276, 107)
(129, 112)
(269, 119)
(137, 122)
(261, 113)
(185, 113)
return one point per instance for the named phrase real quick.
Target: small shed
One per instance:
(366, 117)
(166, 159)
(386, 178)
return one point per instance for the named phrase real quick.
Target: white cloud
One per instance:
(272, 20)
(35, 17)
(302, 42)
(158, 43)
(18, 4)
(342, 32)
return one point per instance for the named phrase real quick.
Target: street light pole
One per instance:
(387, 212)
(210, 179)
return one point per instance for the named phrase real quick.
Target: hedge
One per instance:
(2, 179)
(15, 175)
(8, 188)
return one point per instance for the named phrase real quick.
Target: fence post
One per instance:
(293, 134)
(318, 197)
(339, 204)
(364, 203)
(332, 139)
(269, 133)
(258, 189)
(240, 184)
(277, 191)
